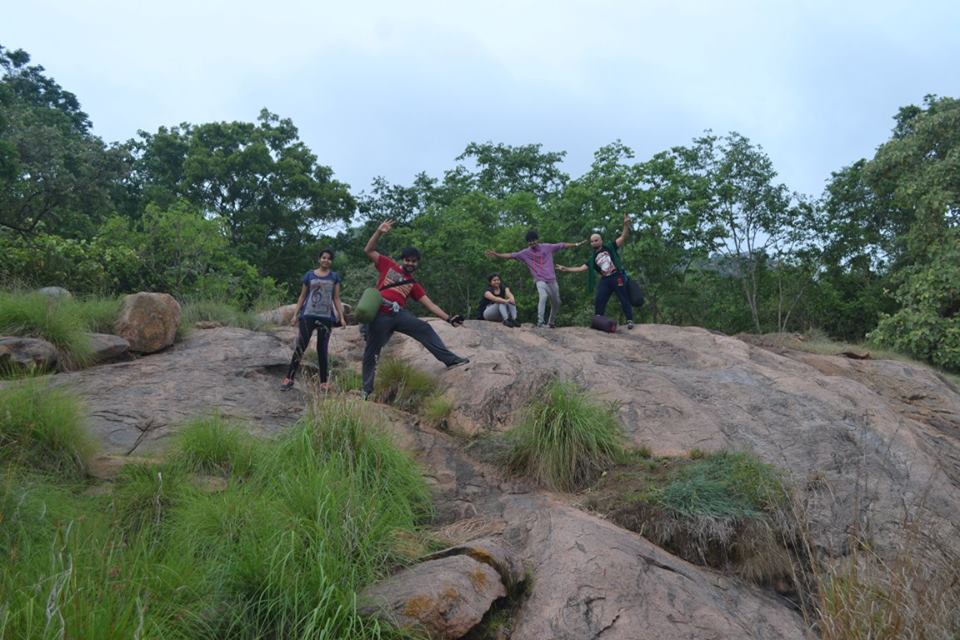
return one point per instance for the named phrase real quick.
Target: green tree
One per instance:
(55, 176)
(259, 179)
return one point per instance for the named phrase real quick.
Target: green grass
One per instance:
(57, 321)
(303, 524)
(98, 314)
(41, 428)
(212, 446)
(194, 311)
(347, 379)
(566, 440)
(401, 385)
(726, 484)
(437, 410)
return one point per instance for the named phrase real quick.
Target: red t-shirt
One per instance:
(390, 272)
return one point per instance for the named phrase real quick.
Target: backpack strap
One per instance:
(397, 284)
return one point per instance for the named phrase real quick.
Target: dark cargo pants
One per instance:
(383, 326)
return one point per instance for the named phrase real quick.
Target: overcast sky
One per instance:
(395, 88)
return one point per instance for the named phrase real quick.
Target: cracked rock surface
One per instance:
(133, 407)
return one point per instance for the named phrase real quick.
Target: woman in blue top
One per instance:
(318, 308)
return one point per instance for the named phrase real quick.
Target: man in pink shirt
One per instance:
(539, 259)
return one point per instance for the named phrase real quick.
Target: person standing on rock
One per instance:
(318, 309)
(396, 284)
(539, 259)
(613, 277)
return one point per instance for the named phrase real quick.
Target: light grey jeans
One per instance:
(500, 311)
(552, 290)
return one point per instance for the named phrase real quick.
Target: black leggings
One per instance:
(308, 324)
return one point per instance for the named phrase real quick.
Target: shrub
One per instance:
(41, 428)
(566, 440)
(401, 385)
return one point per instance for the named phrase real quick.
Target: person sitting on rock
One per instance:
(539, 259)
(498, 303)
(613, 278)
(318, 309)
(396, 284)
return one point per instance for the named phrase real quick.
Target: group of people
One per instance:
(319, 307)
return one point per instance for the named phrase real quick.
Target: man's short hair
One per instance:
(532, 235)
(410, 252)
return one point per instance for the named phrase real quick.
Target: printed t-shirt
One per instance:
(603, 262)
(319, 300)
(391, 272)
(539, 260)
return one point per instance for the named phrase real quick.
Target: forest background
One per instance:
(237, 212)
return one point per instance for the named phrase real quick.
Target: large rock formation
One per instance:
(134, 406)
(865, 440)
(874, 442)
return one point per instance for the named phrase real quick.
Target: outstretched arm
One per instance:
(578, 269)
(572, 245)
(371, 247)
(626, 230)
(490, 253)
(440, 313)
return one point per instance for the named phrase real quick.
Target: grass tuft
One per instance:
(566, 440)
(401, 385)
(212, 446)
(58, 321)
(194, 311)
(41, 428)
(437, 410)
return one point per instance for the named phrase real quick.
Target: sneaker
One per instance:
(541, 325)
(629, 324)
(552, 325)
(514, 324)
(364, 395)
(458, 362)
(286, 385)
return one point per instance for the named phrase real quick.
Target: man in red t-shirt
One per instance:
(396, 284)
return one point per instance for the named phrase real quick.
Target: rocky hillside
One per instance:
(869, 443)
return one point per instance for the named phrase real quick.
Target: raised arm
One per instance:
(440, 313)
(577, 269)
(490, 253)
(371, 247)
(626, 230)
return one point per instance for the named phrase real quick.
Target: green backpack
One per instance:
(370, 300)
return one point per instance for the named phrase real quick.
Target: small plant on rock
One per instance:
(401, 385)
(566, 440)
